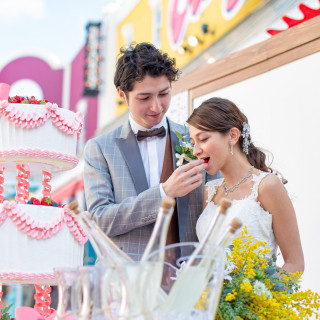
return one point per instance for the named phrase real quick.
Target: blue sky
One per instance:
(52, 27)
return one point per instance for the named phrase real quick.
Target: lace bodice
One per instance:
(248, 210)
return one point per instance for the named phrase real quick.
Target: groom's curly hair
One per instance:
(139, 60)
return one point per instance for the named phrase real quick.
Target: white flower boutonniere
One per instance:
(184, 148)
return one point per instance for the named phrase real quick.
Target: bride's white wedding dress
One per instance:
(248, 210)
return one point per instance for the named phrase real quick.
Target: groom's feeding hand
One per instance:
(185, 179)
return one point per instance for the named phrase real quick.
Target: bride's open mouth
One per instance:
(206, 160)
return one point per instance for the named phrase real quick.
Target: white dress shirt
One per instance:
(152, 151)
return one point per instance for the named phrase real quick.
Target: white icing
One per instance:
(46, 137)
(46, 147)
(21, 253)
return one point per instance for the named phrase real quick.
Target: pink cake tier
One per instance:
(43, 136)
(35, 239)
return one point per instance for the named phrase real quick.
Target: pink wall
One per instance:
(38, 70)
(51, 82)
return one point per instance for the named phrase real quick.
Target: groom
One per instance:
(130, 169)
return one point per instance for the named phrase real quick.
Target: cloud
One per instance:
(13, 10)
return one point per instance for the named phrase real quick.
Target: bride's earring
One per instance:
(231, 147)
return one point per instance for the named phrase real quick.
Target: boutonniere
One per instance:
(184, 148)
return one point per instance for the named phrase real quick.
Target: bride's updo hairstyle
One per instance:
(220, 115)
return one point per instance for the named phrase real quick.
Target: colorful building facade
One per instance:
(194, 32)
(183, 28)
(186, 29)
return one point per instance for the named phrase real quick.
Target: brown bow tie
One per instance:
(159, 132)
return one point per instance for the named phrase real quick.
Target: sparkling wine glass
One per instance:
(192, 290)
(69, 294)
(92, 280)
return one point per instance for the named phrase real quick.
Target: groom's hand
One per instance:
(185, 179)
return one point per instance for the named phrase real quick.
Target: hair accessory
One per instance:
(245, 134)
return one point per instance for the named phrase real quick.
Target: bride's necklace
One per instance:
(236, 186)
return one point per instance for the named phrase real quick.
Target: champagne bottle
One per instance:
(142, 280)
(111, 257)
(104, 246)
(217, 223)
(130, 272)
(193, 277)
(213, 230)
(152, 261)
(226, 238)
(107, 251)
(158, 237)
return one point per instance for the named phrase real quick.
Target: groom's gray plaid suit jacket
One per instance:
(118, 196)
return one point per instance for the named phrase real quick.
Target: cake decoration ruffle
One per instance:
(35, 119)
(38, 230)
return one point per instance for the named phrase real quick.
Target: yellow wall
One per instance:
(141, 20)
(212, 15)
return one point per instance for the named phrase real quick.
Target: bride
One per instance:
(220, 133)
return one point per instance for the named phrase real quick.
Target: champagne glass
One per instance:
(193, 288)
(92, 279)
(69, 294)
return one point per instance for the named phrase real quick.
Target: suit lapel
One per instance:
(182, 202)
(129, 149)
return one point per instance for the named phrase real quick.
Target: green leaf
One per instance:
(191, 156)
(5, 313)
(178, 134)
(185, 129)
(179, 148)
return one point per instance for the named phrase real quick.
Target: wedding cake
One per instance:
(36, 235)
(39, 133)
